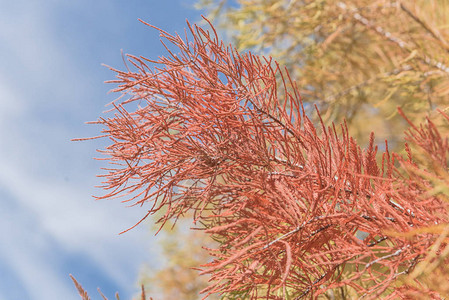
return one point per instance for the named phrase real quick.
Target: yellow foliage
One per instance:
(358, 59)
(182, 248)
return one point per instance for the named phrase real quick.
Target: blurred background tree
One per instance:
(356, 60)
(182, 252)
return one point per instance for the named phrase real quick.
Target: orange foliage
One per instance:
(211, 131)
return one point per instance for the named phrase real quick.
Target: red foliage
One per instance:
(225, 135)
(85, 296)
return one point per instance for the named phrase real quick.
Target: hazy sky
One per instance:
(51, 82)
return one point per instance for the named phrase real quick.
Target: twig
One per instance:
(432, 32)
(366, 82)
(377, 242)
(285, 235)
(386, 34)
(386, 257)
(298, 228)
(396, 275)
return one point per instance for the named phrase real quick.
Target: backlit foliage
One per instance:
(356, 59)
(299, 210)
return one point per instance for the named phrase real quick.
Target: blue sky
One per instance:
(51, 82)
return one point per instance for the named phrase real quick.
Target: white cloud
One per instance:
(66, 213)
(45, 178)
(23, 248)
(49, 84)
